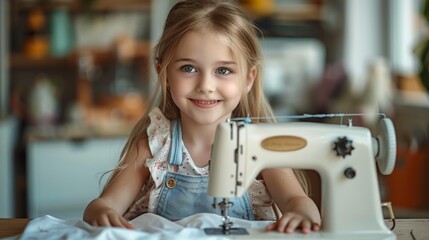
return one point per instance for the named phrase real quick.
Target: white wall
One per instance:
(382, 28)
(159, 12)
(4, 47)
(6, 167)
(403, 35)
(363, 38)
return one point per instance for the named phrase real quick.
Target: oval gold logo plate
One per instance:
(283, 143)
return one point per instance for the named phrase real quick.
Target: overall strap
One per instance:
(175, 155)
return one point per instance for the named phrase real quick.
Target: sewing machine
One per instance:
(344, 155)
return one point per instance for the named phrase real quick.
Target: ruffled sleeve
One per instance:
(159, 138)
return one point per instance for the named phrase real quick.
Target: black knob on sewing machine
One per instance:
(350, 173)
(343, 147)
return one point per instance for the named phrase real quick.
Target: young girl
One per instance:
(208, 62)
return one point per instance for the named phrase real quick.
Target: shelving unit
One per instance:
(69, 70)
(295, 19)
(86, 5)
(70, 73)
(20, 61)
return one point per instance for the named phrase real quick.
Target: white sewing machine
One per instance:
(344, 155)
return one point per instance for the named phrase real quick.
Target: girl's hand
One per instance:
(99, 215)
(292, 221)
(110, 218)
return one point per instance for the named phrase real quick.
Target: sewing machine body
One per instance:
(351, 204)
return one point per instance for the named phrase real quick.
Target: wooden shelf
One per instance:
(90, 5)
(101, 56)
(21, 61)
(123, 5)
(299, 12)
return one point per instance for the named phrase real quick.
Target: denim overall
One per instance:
(182, 195)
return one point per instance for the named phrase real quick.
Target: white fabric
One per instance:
(148, 226)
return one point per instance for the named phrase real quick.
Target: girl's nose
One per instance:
(206, 83)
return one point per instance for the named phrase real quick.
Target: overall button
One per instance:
(170, 183)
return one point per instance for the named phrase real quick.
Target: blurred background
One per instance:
(74, 76)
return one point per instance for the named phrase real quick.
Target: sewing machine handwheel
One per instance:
(386, 137)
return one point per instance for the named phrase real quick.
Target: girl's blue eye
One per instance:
(188, 68)
(223, 71)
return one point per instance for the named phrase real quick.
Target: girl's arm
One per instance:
(299, 211)
(120, 191)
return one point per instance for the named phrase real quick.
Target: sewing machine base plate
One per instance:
(262, 234)
(232, 231)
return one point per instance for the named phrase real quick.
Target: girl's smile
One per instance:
(205, 103)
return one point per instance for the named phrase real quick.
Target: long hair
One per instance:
(230, 21)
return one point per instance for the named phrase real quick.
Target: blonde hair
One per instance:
(227, 19)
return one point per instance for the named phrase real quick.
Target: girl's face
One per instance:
(203, 78)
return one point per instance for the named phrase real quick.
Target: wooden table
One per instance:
(406, 229)
(12, 226)
(411, 229)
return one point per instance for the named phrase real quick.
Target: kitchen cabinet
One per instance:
(65, 175)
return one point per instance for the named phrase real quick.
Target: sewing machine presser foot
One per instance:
(226, 227)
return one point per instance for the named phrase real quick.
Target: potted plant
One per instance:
(422, 49)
